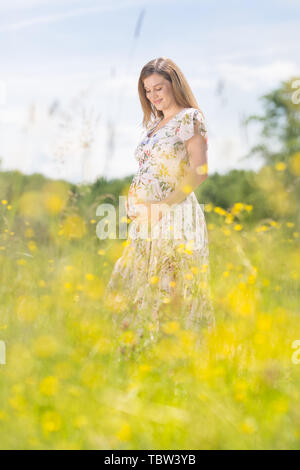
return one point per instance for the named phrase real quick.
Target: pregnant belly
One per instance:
(144, 188)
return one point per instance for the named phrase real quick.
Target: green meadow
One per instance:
(69, 380)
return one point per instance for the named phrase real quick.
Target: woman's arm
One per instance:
(195, 174)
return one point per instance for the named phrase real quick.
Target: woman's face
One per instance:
(159, 91)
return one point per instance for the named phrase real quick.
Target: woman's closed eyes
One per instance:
(157, 89)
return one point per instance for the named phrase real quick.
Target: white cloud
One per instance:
(256, 77)
(12, 116)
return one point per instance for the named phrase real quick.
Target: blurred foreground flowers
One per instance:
(72, 381)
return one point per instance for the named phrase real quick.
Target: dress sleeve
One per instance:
(193, 122)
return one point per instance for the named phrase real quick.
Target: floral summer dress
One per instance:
(157, 279)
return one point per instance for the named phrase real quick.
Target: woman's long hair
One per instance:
(170, 71)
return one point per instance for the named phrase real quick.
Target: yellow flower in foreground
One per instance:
(248, 426)
(204, 268)
(280, 166)
(51, 421)
(208, 207)
(3, 415)
(89, 276)
(262, 228)
(202, 169)
(251, 279)
(238, 227)
(264, 322)
(4, 201)
(68, 285)
(237, 207)
(154, 279)
(240, 388)
(180, 248)
(49, 386)
(229, 219)
(21, 262)
(32, 246)
(68, 267)
(171, 327)
(187, 189)
(53, 203)
(188, 276)
(145, 367)
(220, 210)
(124, 433)
(127, 337)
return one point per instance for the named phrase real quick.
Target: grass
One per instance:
(65, 383)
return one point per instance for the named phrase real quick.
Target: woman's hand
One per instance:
(128, 213)
(144, 213)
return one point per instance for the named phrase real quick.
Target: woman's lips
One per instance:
(156, 102)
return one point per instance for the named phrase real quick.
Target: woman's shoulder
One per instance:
(192, 121)
(188, 116)
(192, 112)
(191, 116)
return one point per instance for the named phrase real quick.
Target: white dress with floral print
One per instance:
(154, 273)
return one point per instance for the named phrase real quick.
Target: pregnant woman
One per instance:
(162, 277)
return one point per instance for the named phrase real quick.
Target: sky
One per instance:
(69, 105)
